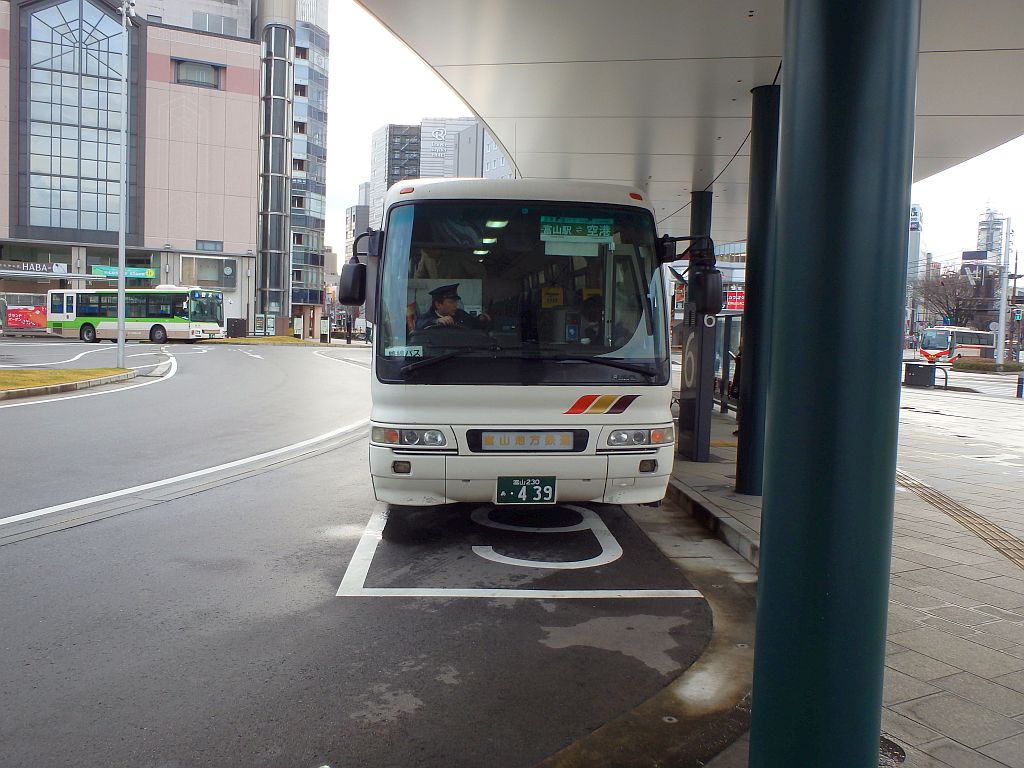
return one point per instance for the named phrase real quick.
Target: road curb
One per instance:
(745, 541)
(71, 386)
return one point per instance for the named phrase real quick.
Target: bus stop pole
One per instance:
(757, 309)
(845, 157)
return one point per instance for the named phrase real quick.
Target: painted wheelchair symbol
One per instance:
(589, 521)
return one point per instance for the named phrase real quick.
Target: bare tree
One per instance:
(950, 295)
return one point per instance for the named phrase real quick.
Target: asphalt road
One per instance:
(214, 585)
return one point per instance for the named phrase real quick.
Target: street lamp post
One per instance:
(127, 10)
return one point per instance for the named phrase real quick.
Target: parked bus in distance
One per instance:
(520, 344)
(947, 343)
(154, 314)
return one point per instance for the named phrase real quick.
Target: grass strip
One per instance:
(44, 377)
(288, 340)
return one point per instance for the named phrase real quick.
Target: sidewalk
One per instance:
(954, 676)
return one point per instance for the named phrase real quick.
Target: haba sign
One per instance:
(35, 268)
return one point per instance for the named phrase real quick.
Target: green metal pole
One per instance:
(757, 312)
(845, 157)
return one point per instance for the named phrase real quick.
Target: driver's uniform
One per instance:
(462, 319)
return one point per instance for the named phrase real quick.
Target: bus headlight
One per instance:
(427, 438)
(627, 438)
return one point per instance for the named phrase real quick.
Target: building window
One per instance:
(298, 238)
(209, 245)
(300, 128)
(298, 165)
(212, 22)
(74, 92)
(298, 201)
(207, 272)
(196, 73)
(301, 89)
(301, 53)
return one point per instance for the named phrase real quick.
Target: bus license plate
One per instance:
(526, 490)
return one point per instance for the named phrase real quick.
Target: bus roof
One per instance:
(955, 328)
(158, 289)
(515, 189)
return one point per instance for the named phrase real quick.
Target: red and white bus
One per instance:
(948, 343)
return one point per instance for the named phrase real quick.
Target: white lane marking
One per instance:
(352, 583)
(178, 478)
(320, 353)
(58, 362)
(170, 374)
(247, 352)
(43, 344)
(611, 550)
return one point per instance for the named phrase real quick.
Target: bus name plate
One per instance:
(525, 490)
(526, 441)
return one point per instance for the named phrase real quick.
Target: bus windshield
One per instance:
(206, 307)
(934, 338)
(509, 292)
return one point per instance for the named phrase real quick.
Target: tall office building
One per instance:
(394, 155)
(436, 148)
(309, 159)
(992, 227)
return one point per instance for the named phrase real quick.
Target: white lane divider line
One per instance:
(354, 580)
(179, 478)
(247, 352)
(173, 369)
(58, 362)
(320, 353)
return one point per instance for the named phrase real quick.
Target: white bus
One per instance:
(155, 314)
(947, 343)
(520, 350)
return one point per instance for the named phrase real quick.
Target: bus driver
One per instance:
(444, 311)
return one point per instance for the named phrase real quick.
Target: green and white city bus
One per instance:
(157, 314)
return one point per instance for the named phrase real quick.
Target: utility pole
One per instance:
(127, 9)
(1004, 273)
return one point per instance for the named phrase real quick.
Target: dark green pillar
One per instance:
(757, 312)
(845, 156)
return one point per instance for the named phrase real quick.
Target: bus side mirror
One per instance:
(352, 285)
(705, 290)
(665, 249)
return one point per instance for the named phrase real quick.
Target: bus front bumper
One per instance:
(447, 479)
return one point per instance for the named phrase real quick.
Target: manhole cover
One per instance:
(890, 754)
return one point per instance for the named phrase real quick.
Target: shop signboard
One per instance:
(735, 299)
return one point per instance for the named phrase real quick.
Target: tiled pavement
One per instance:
(954, 677)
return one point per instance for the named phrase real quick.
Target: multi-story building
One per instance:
(992, 226)
(219, 90)
(221, 17)
(394, 155)
(192, 164)
(309, 162)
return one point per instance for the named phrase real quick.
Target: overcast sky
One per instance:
(376, 80)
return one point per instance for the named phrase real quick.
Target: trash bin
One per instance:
(237, 327)
(919, 375)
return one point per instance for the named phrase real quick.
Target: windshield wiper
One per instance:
(612, 362)
(428, 361)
